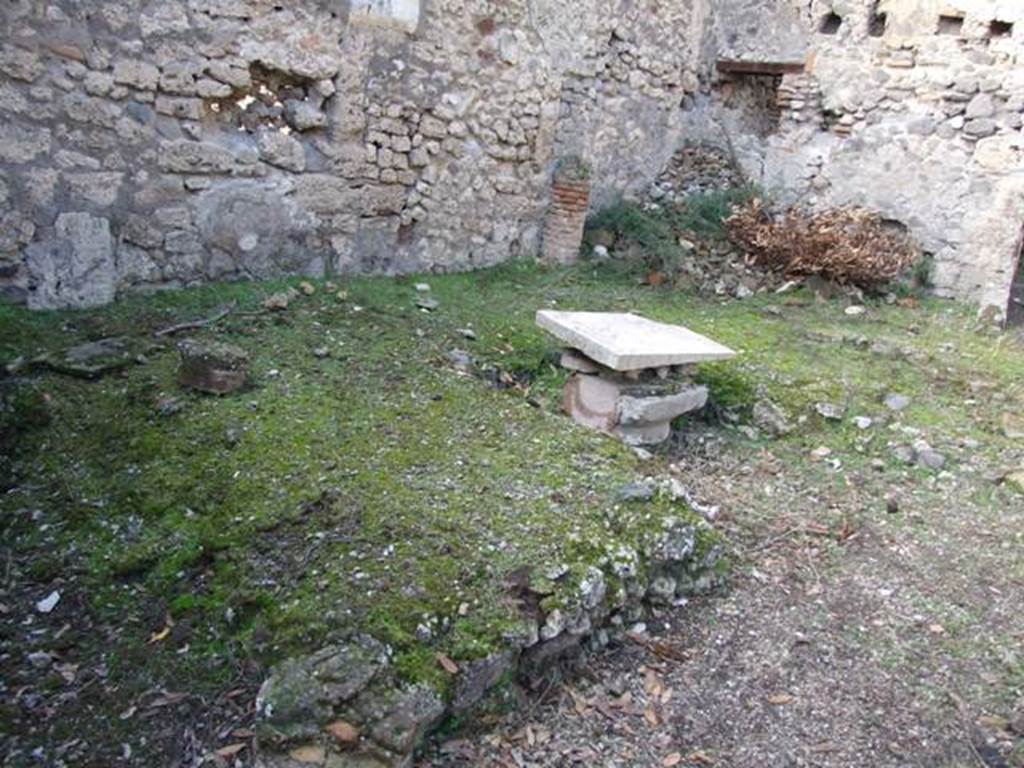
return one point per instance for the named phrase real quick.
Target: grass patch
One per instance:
(380, 490)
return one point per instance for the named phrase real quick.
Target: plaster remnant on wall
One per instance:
(402, 14)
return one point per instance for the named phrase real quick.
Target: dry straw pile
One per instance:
(849, 245)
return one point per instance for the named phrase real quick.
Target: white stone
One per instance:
(403, 14)
(48, 603)
(626, 342)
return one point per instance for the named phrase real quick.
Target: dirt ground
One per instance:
(874, 620)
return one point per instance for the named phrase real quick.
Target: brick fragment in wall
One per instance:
(563, 232)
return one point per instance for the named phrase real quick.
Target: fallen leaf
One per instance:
(156, 637)
(937, 629)
(671, 760)
(128, 713)
(344, 732)
(779, 699)
(994, 722)
(449, 666)
(655, 279)
(700, 757)
(651, 717)
(167, 700)
(311, 754)
(68, 672)
(231, 750)
(652, 685)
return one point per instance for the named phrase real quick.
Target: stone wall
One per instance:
(911, 107)
(158, 143)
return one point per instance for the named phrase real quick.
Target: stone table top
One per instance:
(626, 342)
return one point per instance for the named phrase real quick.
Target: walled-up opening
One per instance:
(998, 29)
(1015, 306)
(877, 22)
(950, 25)
(830, 24)
(755, 99)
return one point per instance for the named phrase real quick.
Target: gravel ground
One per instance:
(873, 620)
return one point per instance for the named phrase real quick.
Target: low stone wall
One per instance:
(346, 706)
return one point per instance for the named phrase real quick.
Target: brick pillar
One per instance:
(570, 198)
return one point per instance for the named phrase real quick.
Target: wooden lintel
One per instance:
(737, 67)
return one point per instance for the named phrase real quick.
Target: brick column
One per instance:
(570, 198)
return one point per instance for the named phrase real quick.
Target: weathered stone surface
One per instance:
(303, 116)
(641, 411)
(201, 157)
(636, 413)
(282, 150)
(21, 144)
(93, 359)
(411, 714)
(299, 697)
(213, 367)
(770, 419)
(574, 361)
(592, 401)
(625, 342)
(477, 678)
(137, 74)
(76, 268)
(259, 227)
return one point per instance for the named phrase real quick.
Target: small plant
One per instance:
(705, 214)
(573, 168)
(847, 245)
(656, 232)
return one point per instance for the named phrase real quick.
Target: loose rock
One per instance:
(213, 367)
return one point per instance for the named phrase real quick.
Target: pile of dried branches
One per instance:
(849, 245)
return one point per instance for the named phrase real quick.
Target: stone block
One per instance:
(76, 268)
(637, 414)
(212, 367)
(642, 411)
(137, 74)
(627, 342)
(201, 157)
(282, 151)
(592, 401)
(22, 145)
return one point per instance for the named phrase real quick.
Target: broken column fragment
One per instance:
(631, 376)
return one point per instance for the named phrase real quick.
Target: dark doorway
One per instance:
(1015, 309)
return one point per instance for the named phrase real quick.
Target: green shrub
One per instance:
(657, 232)
(705, 214)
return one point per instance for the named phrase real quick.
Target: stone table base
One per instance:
(636, 413)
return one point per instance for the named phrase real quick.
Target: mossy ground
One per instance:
(378, 489)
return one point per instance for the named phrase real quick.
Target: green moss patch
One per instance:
(376, 488)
